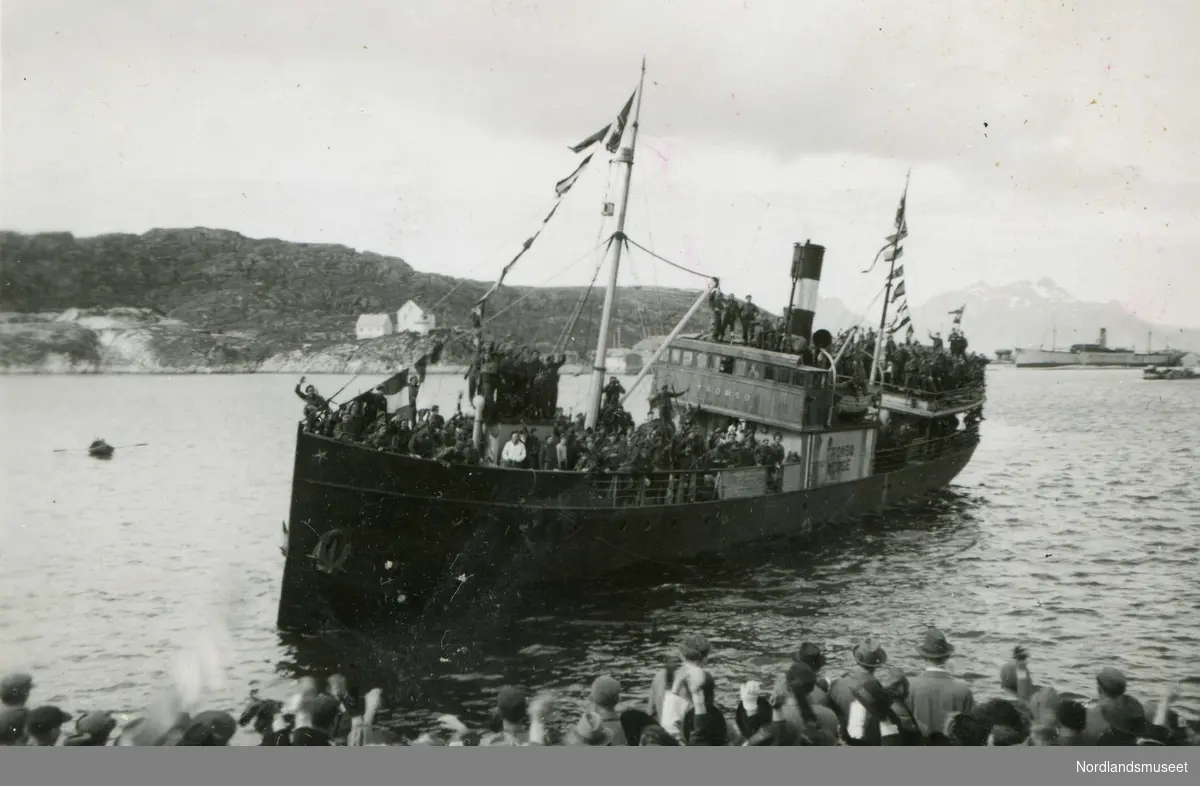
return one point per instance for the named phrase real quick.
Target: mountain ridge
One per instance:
(200, 298)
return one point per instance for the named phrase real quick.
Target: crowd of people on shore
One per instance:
(874, 703)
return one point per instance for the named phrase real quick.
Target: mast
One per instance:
(887, 295)
(616, 244)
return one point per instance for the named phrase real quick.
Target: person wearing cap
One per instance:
(868, 656)
(606, 694)
(1036, 704)
(1110, 686)
(512, 707)
(935, 694)
(45, 726)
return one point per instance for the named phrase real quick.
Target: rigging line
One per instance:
(453, 289)
(533, 290)
(565, 336)
(569, 329)
(658, 310)
(870, 305)
(675, 265)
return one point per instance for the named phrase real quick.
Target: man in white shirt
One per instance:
(513, 454)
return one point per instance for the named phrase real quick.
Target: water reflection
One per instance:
(756, 603)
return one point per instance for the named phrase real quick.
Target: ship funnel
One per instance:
(806, 284)
(1104, 338)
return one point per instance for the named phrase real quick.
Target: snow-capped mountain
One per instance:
(1040, 313)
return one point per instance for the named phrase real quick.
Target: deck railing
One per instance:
(633, 489)
(920, 450)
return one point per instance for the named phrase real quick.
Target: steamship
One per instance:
(375, 535)
(1095, 355)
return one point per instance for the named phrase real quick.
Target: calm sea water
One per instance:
(1075, 531)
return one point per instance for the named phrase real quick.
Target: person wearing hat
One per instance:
(935, 694)
(45, 726)
(868, 656)
(92, 730)
(209, 729)
(606, 694)
(1110, 686)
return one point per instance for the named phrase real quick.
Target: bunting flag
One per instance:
(561, 188)
(611, 134)
(618, 128)
(958, 314)
(898, 273)
(896, 326)
(893, 253)
(398, 382)
(899, 293)
(901, 218)
(564, 185)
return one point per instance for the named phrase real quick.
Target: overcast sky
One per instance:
(1045, 138)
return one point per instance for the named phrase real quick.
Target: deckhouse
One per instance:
(731, 383)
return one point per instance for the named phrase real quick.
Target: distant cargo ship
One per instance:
(1098, 354)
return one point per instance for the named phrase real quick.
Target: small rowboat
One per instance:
(100, 449)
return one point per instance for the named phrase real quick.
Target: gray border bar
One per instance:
(577, 766)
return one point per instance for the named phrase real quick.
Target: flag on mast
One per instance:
(612, 132)
(958, 314)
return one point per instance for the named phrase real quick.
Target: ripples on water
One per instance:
(1073, 531)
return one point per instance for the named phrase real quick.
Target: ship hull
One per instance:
(419, 531)
(1042, 358)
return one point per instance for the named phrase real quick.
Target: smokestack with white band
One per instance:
(806, 284)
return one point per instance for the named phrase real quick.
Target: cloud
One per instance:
(435, 129)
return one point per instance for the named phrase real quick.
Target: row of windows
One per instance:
(746, 369)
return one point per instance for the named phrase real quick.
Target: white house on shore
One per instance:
(411, 318)
(373, 326)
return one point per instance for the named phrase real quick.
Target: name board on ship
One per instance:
(841, 456)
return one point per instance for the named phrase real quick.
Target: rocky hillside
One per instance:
(183, 300)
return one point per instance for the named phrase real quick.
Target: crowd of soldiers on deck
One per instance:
(733, 319)
(515, 382)
(934, 368)
(615, 443)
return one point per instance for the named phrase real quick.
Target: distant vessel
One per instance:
(1098, 354)
(100, 449)
(1004, 356)
(1154, 372)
